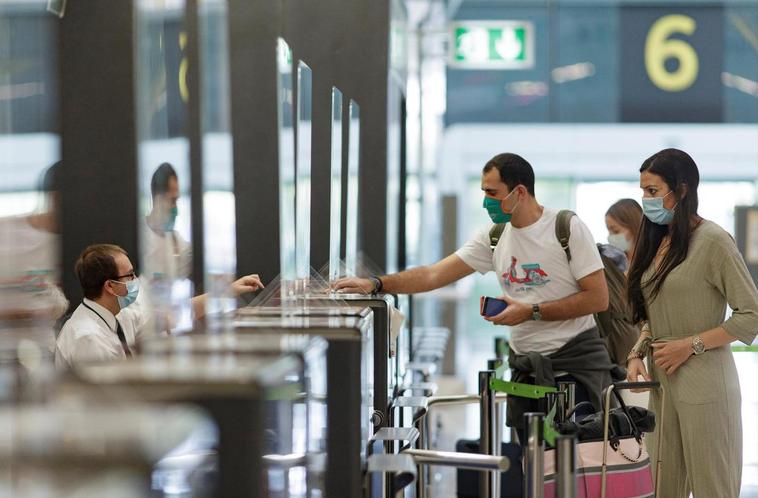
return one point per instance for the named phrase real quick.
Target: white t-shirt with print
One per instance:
(533, 268)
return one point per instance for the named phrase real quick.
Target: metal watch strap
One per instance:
(698, 346)
(536, 314)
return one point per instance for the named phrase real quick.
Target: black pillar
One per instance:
(253, 32)
(98, 131)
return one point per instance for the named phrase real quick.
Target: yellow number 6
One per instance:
(659, 48)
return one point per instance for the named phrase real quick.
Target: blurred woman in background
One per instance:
(623, 220)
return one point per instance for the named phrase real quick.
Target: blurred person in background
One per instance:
(167, 259)
(30, 258)
(165, 252)
(684, 273)
(623, 220)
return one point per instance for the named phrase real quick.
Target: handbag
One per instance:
(616, 464)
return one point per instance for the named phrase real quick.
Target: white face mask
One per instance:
(619, 241)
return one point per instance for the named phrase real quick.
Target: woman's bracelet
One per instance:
(640, 349)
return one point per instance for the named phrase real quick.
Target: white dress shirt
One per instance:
(167, 254)
(90, 334)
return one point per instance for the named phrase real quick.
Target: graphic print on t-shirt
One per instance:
(533, 274)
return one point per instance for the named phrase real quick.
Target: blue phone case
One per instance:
(492, 306)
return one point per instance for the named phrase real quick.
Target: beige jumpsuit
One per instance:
(702, 425)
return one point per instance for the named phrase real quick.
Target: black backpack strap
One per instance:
(495, 232)
(563, 230)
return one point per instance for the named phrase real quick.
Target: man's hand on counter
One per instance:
(353, 285)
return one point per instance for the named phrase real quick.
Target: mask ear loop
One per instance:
(673, 208)
(120, 282)
(504, 198)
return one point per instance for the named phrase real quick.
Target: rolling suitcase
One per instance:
(616, 465)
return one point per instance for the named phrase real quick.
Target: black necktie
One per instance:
(122, 338)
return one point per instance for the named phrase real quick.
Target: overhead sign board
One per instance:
(492, 45)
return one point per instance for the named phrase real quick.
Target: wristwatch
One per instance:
(378, 284)
(698, 346)
(536, 315)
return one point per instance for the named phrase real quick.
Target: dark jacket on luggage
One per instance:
(585, 357)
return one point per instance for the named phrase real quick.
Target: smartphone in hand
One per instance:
(491, 306)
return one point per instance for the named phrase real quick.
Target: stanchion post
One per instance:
(560, 409)
(570, 389)
(488, 481)
(499, 411)
(565, 466)
(534, 454)
(422, 471)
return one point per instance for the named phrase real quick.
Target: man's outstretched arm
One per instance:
(421, 279)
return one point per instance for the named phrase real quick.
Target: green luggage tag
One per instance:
(521, 390)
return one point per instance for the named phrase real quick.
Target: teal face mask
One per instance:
(132, 291)
(171, 221)
(495, 211)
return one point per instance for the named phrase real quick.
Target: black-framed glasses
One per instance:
(131, 276)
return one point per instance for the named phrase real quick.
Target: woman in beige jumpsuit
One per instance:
(684, 273)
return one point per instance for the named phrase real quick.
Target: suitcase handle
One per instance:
(636, 385)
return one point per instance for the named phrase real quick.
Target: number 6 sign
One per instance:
(671, 63)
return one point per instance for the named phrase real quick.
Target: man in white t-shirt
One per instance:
(551, 301)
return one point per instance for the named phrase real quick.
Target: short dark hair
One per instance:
(161, 176)
(514, 171)
(50, 179)
(95, 266)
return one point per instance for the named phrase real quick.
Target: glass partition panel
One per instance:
(335, 209)
(303, 167)
(163, 155)
(31, 299)
(286, 172)
(353, 166)
(218, 178)
(393, 173)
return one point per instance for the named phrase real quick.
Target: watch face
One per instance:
(697, 345)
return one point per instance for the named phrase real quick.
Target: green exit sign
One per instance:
(492, 45)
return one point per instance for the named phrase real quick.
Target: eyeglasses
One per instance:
(130, 276)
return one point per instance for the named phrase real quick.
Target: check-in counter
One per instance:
(386, 372)
(67, 450)
(309, 417)
(349, 375)
(243, 394)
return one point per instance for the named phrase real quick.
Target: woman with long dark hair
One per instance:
(684, 272)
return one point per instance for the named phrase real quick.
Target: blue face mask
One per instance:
(653, 209)
(171, 221)
(494, 209)
(132, 291)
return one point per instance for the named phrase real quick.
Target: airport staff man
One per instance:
(102, 327)
(550, 300)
